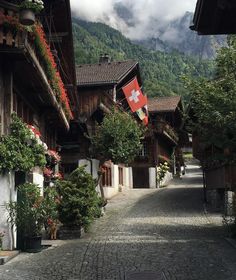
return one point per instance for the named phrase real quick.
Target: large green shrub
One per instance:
(20, 150)
(50, 205)
(79, 201)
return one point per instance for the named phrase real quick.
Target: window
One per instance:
(106, 176)
(143, 152)
(22, 109)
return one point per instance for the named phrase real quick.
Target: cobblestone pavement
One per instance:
(145, 234)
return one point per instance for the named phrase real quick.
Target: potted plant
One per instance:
(79, 203)
(28, 10)
(28, 216)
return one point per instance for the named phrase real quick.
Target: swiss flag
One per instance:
(134, 95)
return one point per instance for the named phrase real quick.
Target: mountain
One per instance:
(178, 36)
(174, 35)
(161, 72)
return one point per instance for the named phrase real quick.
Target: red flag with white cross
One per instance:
(134, 95)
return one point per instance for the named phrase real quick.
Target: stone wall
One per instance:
(7, 194)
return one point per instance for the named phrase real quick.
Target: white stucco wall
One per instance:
(7, 194)
(86, 163)
(110, 191)
(115, 176)
(131, 185)
(38, 178)
(152, 178)
(128, 178)
(95, 168)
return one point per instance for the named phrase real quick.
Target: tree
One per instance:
(214, 102)
(118, 138)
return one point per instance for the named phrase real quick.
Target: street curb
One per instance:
(9, 255)
(231, 241)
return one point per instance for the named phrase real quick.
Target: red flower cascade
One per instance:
(55, 79)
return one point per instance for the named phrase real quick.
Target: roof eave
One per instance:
(127, 72)
(97, 84)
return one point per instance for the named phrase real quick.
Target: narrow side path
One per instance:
(145, 234)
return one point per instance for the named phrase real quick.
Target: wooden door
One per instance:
(140, 177)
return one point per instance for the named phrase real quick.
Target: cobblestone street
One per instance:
(145, 234)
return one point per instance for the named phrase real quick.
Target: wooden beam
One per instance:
(7, 5)
(8, 96)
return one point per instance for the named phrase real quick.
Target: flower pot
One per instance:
(27, 17)
(32, 244)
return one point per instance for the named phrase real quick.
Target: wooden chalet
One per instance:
(29, 89)
(162, 140)
(99, 90)
(214, 17)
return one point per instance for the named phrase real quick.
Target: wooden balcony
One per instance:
(16, 44)
(163, 128)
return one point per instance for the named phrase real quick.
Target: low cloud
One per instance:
(136, 19)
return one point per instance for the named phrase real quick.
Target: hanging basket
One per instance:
(27, 17)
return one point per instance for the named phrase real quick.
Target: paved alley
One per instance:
(145, 234)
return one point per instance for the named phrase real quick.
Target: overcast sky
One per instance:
(143, 12)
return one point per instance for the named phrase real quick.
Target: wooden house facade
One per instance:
(99, 90)
(161, 143)
(42, 100)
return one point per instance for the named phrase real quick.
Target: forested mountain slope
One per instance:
(161, 72)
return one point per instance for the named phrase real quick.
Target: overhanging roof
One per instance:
(106, 73)
(163, 104)
(215, 17)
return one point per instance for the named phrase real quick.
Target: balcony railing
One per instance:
(164, 128)
(15, 38)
